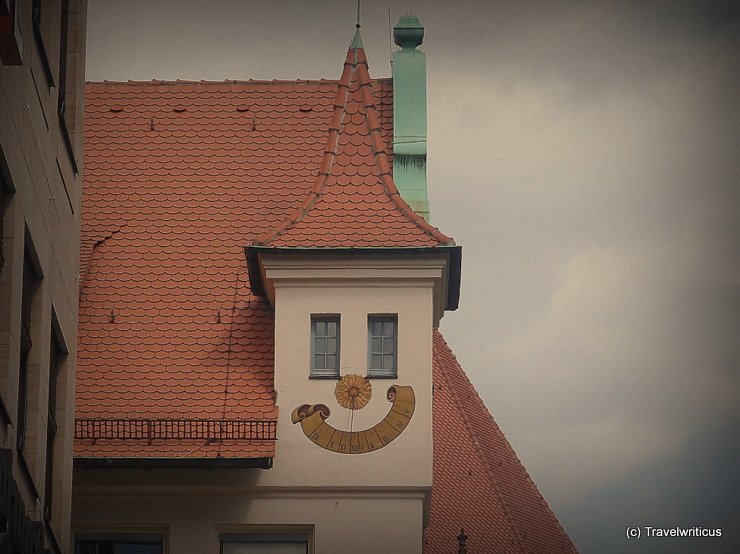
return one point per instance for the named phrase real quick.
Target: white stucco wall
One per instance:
(191, 517)
(407, 461)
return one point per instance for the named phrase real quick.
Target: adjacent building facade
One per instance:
(259, 365)
(42, 60)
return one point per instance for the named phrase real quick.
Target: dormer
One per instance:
(358, 282)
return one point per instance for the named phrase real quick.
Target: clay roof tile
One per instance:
(318, 221)
(478, 481)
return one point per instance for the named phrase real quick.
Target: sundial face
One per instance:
(353, 392)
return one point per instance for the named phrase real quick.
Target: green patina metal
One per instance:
(356, 40)
(410, 115)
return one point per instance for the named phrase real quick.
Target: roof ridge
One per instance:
(476, 443)
(155, 82)
(355, 61)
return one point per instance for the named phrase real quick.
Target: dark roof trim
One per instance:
(172, 463)
(454, 252)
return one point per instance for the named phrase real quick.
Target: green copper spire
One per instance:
(410, 115)
(357, 39)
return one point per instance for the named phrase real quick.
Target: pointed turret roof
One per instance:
(354, 202)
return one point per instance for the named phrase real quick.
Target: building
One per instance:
(259, 365)
(42, 55)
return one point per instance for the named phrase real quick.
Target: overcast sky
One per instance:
(585, 156)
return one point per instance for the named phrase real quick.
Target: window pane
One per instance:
(388, 361)
(320, 328)
(331, 346)
(376, 328)
(376, 361)
(331, 361)
(320, 346)
(377, 347)
(318, 362)
(388, 328)
(331, 329)
(387, 346)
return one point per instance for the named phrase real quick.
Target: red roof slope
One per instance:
(179, 177)
(354, 201)
(479, 484)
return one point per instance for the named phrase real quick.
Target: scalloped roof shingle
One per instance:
(479, 484)
(354, 202)
(179, 177)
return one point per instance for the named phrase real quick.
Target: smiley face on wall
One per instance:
(353, 392)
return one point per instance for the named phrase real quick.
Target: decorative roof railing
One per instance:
(212, 430)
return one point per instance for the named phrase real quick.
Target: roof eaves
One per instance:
(454, 252)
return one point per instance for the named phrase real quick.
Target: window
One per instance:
(118, 543)
(42, 20)
(325, 346)
(57, 355)
(31, 281)
(11, 42)
(382, 346)
(66, 100)
(264, 543)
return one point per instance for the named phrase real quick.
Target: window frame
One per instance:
(302, 535)
(32, 277)
(325, 373)
(41, 33)
(58, 354)
(11, 39)
(381, 372)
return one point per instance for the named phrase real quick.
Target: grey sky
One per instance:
(585, 156)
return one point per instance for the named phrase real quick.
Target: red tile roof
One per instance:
(354, 201)
(179, 177)
(479, 484)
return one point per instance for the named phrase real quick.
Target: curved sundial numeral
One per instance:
(313, 423)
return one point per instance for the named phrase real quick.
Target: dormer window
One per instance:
(325, 346)
(382, 346)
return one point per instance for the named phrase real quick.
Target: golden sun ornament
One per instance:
(353, 391)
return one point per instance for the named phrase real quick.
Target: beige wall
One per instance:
(407, 461)
(361, 522)
(41, 212)
(353, 288)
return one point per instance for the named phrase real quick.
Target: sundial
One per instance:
(353, 392)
